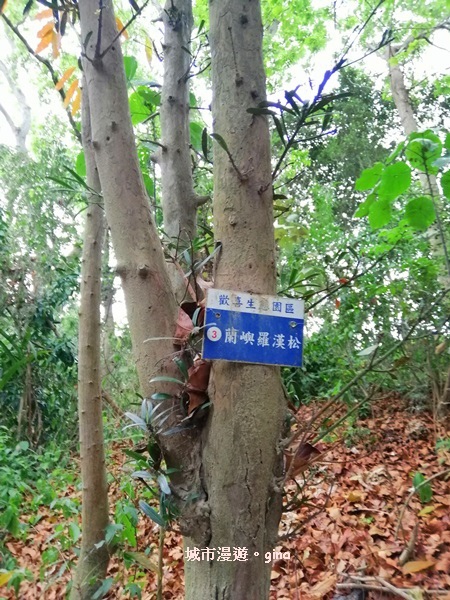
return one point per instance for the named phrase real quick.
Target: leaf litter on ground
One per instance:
(343, 528)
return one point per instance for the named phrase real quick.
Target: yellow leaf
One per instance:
(3, 6)
(426, 510)
(76, 103)
(56, 44)
(414, 566)
(64, 78)
(5, 577)
(148, 49)
(44, 42)
(354, 497)
(120, 27)
(70, 92)
(44, 14)
(48, 27)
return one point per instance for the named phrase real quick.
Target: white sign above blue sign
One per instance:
(253, 328)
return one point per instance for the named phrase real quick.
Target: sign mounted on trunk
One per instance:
(253, 328)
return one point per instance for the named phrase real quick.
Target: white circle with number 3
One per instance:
(214, 334)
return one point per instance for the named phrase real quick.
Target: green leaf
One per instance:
(164, 484)
(196, 130)
(280, 129)
(142, 559)
(137, 420)
(151, 97)
(422, 150)
(103, 589)
(130, 65)
(369, 178)
(380, 214)
(219, 139)
(419, 212)
(135, 455)
(205, 143)
(74, 532)
(447, 142)
(151, 513)
(139, 109)
(80, 164)
(364, 207)
(149, 185)
(166, 378)
(445, 182)
(395, 180)
(182, 366)
(423, 489)
(161, 396)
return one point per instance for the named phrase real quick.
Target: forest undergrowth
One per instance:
(367, 517)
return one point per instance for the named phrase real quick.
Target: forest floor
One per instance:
(359, 522)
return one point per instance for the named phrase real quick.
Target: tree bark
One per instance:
(240, 457)
(94, 556)
(108, 293)
(177, 189)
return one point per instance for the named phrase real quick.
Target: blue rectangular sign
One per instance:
(253, 328)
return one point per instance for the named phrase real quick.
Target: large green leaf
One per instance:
(138, 108)
(380, 213)
(420, 212)
(130, 65)
(395, 180)
(196, 130)
(445, 182)
(422, 150)
(364, 208)
(369, 178)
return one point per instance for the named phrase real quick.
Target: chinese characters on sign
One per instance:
(253, 328)
(226, 553)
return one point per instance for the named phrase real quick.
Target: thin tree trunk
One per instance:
(21, 130)
(437, 236)
(240, 449)
(178, 198)
(108, 292)
(94, 557)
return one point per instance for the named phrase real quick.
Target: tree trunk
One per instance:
(22, 130)
(178, 198)
(240, 457)
(108, 292)
(437, 237)
(94, 558)
(151, 306)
